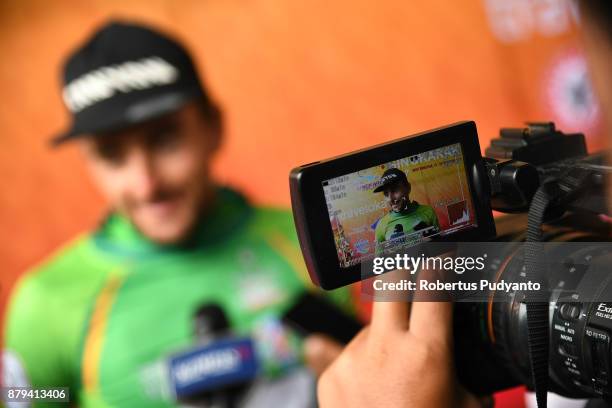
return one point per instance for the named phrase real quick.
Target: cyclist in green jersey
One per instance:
(103, 314)
(407, 221)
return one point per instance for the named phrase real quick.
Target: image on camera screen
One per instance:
(383, 209)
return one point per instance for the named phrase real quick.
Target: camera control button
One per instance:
(574, 312)
(568, 350)
(598, 341)
(570, 311)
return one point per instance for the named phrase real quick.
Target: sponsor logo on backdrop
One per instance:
(569, 94)
(512, 21)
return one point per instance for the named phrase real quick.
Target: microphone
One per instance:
(219, 369)
(425, 228)
(209, 322)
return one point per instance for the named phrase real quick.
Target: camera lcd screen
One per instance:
(390, 198)
(395, 205)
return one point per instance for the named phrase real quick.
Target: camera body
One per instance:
(579, 290)
(344, 223)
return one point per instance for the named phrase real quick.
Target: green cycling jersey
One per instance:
(102, 315)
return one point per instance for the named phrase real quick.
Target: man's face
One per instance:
(158, 173)
(397, 196)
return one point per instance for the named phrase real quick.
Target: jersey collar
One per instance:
(228, 213)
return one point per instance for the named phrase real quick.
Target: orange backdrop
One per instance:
(299, 80)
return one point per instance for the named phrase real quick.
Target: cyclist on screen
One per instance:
(407, 221)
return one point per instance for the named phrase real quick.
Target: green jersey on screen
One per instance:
(405, 226)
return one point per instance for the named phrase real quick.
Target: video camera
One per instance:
(434, 192)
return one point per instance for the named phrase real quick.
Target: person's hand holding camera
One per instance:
(403, 359)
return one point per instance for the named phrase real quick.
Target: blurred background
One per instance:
(298, 81)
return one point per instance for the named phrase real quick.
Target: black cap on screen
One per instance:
(389, 177)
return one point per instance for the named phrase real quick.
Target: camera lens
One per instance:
(580, 324)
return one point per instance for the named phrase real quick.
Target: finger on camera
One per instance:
(432, 320)
(389, 317)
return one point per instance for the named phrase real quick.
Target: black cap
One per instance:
(126, 74)
(391, 176)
